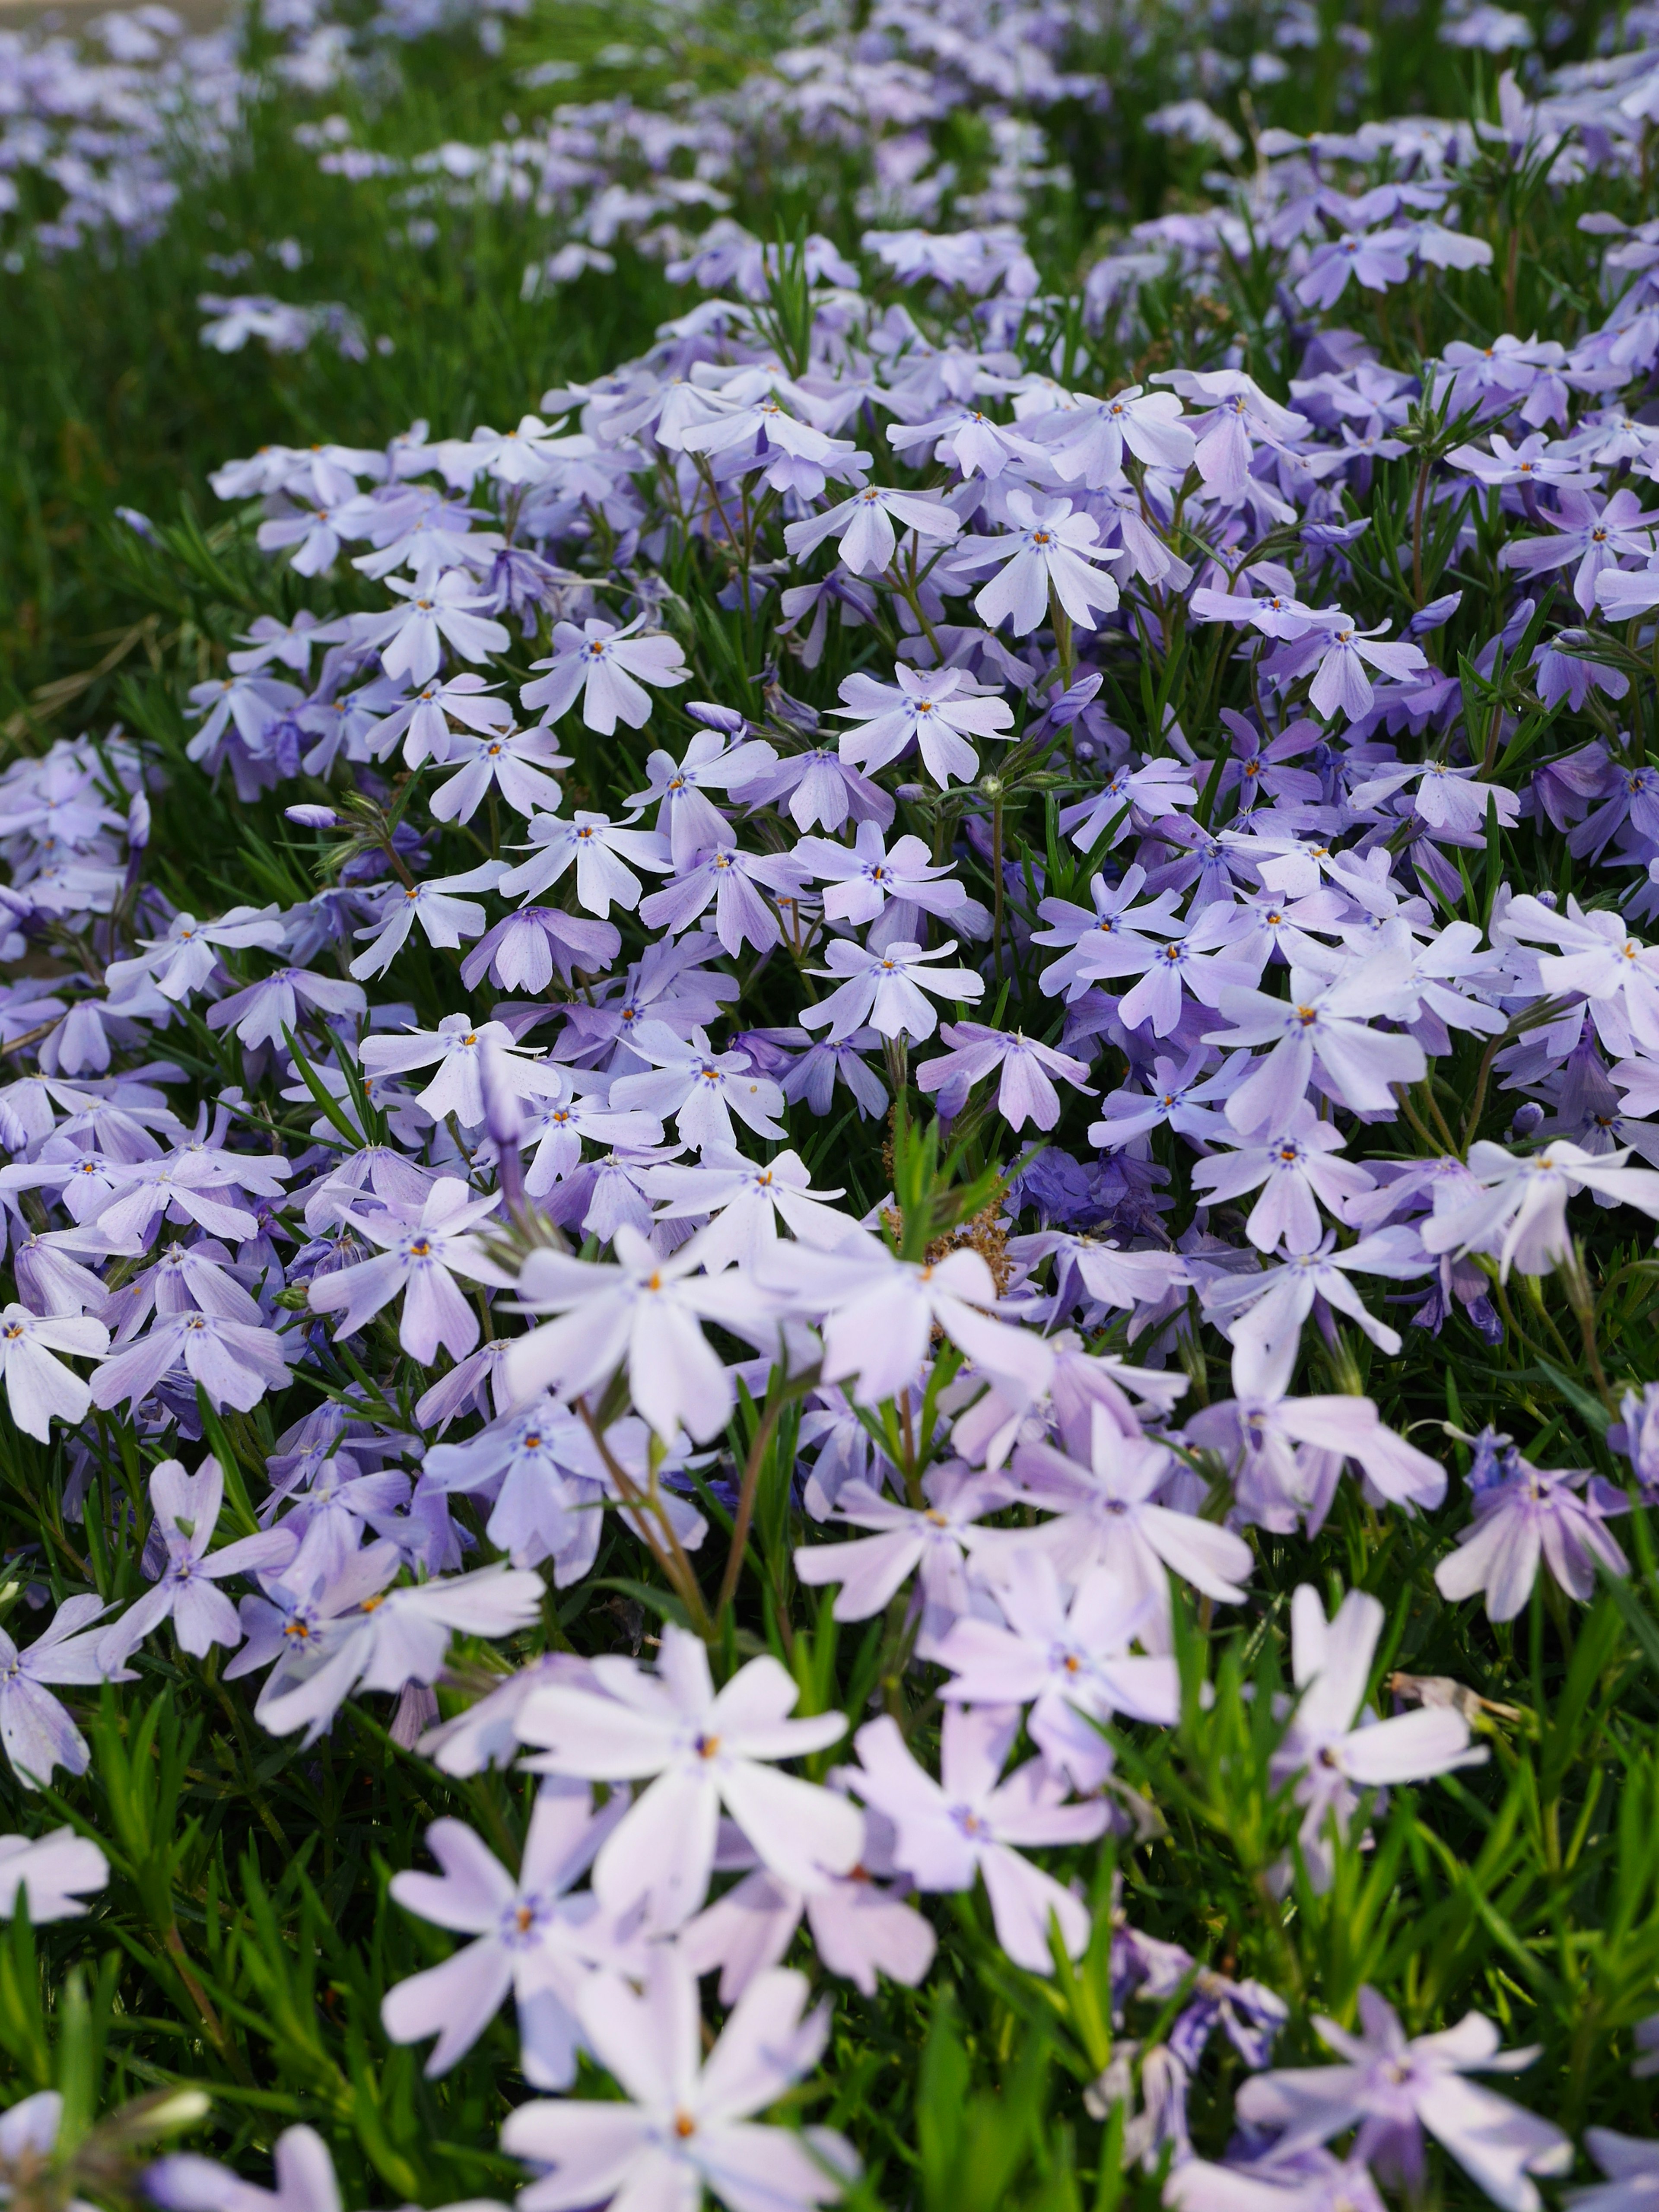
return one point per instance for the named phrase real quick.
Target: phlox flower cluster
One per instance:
(967, 1142)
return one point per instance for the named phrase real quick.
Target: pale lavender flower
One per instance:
(1329, 1019)
(1392, 2088)
(688, 2123)
(1334, 1747)
(1149, 423)
(698, 1089)
(643, 1312)
(1530, 1513)
(972, 1822)
(424, 1249)
(879, 1312)
(233, 1361)
(185, 1509)
(444, 917)
(459, 1047)
(1287, 1454)
(600, 850)
(1263, 1314)
(886, 989)
(936, 709)
(860, 1924)
(863, 527)
(869, 883)
(1071, 1664)
(698, 1749)
(607, 669)
(1520, 1216)
(260, 1013)
(1631, 2164)
(305, 2180)
(1026, 1091)
(423, 721)
(1107, 1511)
(531, 1937)
(36, 1732)
(1297, 1165)
(53, 1871)
(411, 637)
(746, 1202)
(509, 762)
(38, 1387)
(1047, 552)
(685, 815)
(520, 953)
(380, 1641)
(932, 1542)
(727, 878)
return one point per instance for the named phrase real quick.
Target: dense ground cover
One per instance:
(829, 1101)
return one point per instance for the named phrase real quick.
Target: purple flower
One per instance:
(424, 1249)
(1025, 1093)
(185, 1509)
(1334, 1747)
(529, 1936)
(937, 710)
(1328, 1019)
(642, 1312)
(53, 1871)
(305, 2180)
(1392, 2088)
(445, 613)
(607, 669)
(687, 2123)
(971, 1823)
(1295, 1164)
(696, 1749)
(886, 989)
(1071, 1665)
(37, 1734)
(1526, 1514)
(38, 1387)
(933, 1543)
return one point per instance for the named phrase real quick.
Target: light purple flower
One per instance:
(698, 1749)
(36, 1732)
(1329, 1019)
(1026, 1092)
(411, 638)
(642, 1312)
(1070, 1663)
(38, 1387)
(1334, 1747)
(886, 989)
(879, 1312)
(1048, 551)
(936, 709)
(424, 1249)
(1297, 1164)
(932, 1542)
(1527, 1513)
(1520, 1215)
(185, 1509)
(607, 669)
(54, 1873)
(531, 1937)
(972, 1822)
(1392, 2088)
(600, 850)
(687, 2123)
(863, 527)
